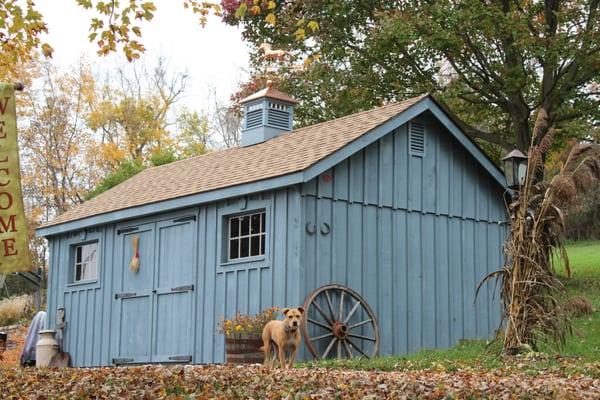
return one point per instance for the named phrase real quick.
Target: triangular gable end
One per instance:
(425, 104)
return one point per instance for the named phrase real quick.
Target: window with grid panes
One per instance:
(246, 236)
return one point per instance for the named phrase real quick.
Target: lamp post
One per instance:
(515, 169)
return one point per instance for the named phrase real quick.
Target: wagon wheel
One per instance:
(338, 322)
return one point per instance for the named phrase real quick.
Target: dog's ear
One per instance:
(287, 310)
(301, 309)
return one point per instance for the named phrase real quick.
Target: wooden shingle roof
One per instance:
(288, 153)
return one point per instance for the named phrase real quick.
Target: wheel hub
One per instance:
(340, 330)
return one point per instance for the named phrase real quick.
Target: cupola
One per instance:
(267, 114)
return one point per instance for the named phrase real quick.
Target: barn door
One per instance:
(133, 296)
(173, 290)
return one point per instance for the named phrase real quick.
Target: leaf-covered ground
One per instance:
(468, 370)
(255, 382)
(16, 342)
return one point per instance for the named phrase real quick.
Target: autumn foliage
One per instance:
(255, 382)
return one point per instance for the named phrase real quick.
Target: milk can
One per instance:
(45, 348)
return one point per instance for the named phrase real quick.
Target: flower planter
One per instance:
(243, 349)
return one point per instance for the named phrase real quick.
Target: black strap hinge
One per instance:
(124, 295)
(127, 230)
(185, 288)
(184, 219)
(118, 361)
(181, 358)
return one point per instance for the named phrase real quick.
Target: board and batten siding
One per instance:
(94, 335)
(413, 235)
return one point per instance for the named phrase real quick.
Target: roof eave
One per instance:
(171, 204)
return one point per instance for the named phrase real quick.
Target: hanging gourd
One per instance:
(134, 265)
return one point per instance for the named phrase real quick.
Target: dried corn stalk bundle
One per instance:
(531, 292)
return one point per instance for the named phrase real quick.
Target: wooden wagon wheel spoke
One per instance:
(359, 324)
(330, 305)
(322, 325)
(328, 349)
(322, 313)
(338, 326)
(348, 349)
(362, 337)
(321, 337)
(341, 317)
(351, 313)
(357, 348)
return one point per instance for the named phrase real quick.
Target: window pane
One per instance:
(234, 227)
(89, 271)
(234, 246)
(262, 244)
(255, 245)
(262, 221)
(245, 229)
(89, 252)
(244, 247)
(86, 265)
(255, 223)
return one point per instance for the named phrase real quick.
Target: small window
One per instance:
(246, 236)
(86, 262)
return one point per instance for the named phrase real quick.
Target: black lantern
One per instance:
(515, 169)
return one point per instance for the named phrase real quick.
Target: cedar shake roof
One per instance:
(285, 154)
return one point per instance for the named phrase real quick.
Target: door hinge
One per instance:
(127, 230)
(184, 219)
(118, 361)
(124, 295)
(181, 358)
(185, 288)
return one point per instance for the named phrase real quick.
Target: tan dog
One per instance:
(281, 336)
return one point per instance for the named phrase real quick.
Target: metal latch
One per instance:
(117, 361)
(124, 295)
(181, 358)
(182, 288)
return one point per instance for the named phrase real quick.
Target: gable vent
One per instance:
(253, 118)
(417, 139)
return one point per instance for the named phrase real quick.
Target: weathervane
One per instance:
(274, 59)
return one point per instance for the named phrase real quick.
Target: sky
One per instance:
(213, 56)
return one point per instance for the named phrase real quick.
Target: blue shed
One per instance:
(395, 203)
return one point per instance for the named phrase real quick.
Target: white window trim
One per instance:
(262, 233)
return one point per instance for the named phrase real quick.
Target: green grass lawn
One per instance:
(580, 355)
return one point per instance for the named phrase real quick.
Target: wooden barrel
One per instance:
(244, 349)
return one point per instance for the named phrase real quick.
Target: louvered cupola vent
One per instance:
(267, 114)
(417, 139)
(254, 116)
(278, 115)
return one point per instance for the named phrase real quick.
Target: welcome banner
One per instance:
(14, 250)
